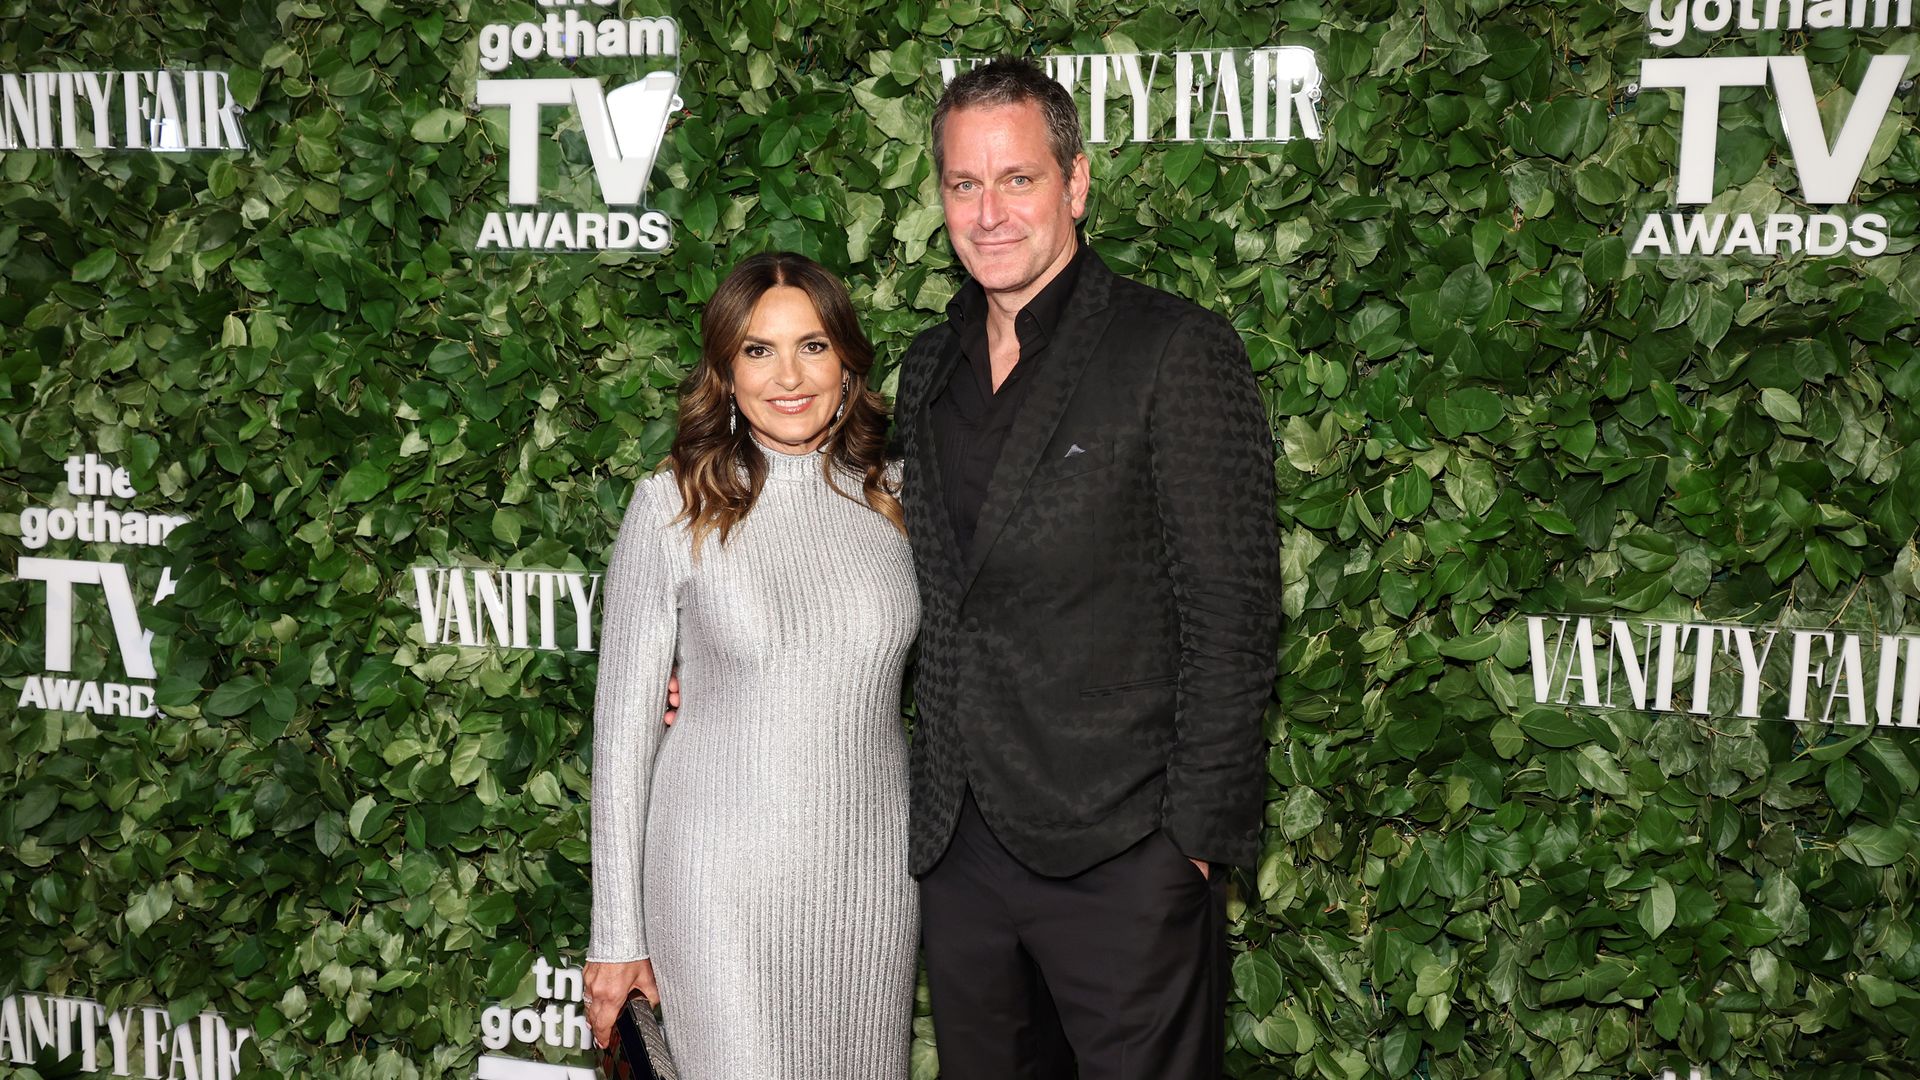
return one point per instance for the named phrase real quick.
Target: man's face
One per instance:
(1010, 212)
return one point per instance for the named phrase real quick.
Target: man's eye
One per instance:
(963, 186)
(1021, 181)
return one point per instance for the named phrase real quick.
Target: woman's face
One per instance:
(786, 376)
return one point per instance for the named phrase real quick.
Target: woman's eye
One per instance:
(815, 347)
(755, 352)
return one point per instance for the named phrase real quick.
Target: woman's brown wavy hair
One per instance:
(720, 471)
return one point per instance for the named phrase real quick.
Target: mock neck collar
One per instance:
(785, 466)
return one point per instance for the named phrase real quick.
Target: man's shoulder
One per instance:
(931, 340)
(1148, 306)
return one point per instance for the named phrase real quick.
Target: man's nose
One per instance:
(991, 212)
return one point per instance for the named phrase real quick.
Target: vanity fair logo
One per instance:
(140, 1041)
(1830, 676)
(479, 607)
(1268, 94)
(1827, 162)
(118, 110)
(561, 1022)
(93, 519)
(623, 126)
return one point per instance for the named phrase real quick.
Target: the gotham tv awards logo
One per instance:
(554, 1025)
(619, 79)
(74, 585)
(1830, 134)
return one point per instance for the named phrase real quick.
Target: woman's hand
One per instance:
(607, 988)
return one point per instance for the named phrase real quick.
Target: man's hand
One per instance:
(1205, 868)
(607, 988)
(673, 697)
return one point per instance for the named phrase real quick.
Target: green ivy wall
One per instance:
(1482, 408)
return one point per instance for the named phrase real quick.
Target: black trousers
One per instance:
(1119, 972)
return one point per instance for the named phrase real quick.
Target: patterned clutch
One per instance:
(639, 1050)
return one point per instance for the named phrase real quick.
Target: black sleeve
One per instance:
(1212, 453)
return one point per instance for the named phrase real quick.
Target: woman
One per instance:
(753, 858)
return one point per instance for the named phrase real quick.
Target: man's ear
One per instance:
(1079, 180)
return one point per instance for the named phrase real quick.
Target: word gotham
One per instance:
(1218, 95)
(140, 1040)
(119, 110)
(95, 523)
(1617, 663)
(573, 36)
(476, 607)
(564, 1026)
(1669, 20)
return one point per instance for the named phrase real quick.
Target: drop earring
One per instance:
(846, 385)
(733, 417)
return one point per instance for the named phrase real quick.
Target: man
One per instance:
(1089, 496)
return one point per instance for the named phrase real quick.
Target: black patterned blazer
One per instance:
(1100, 667)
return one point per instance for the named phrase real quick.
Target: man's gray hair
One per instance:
(1011, 80)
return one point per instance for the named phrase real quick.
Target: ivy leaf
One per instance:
(1875, 845)
(439, 126)
(95, 267)
(1656, 909)
(1409, 494)
(363, 482)
(1303, 813)
(1555, 729)
(1258, 981)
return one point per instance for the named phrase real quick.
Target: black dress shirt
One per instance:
(970, 418)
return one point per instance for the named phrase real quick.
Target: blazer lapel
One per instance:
(1074, 344)
(931, 493)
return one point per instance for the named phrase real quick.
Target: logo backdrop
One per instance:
(344, 808)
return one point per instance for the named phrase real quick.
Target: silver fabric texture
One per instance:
(757, 850)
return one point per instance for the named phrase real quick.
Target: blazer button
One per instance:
(970, 624)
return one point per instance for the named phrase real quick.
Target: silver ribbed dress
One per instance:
(757, 850)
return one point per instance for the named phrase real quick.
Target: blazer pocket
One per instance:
(1093, 455)
(1127, 687)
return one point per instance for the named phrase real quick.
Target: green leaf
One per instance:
(1875, 845)
(235, 696)
(1555, 729)
(1303, 813)
(439, 126)
(95, 267)
(1656, 909)
(1409, 494)
(1780, 405)
(1468, 410)
(363, 482)
(1257, 981)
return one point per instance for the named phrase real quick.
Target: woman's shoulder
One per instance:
(656, 497)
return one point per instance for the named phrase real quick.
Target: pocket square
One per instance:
(1072, 450)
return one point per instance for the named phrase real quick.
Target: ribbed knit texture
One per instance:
(758, 848)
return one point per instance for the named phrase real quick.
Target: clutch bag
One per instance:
(639, 1050)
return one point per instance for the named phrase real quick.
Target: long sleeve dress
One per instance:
(757, 849)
